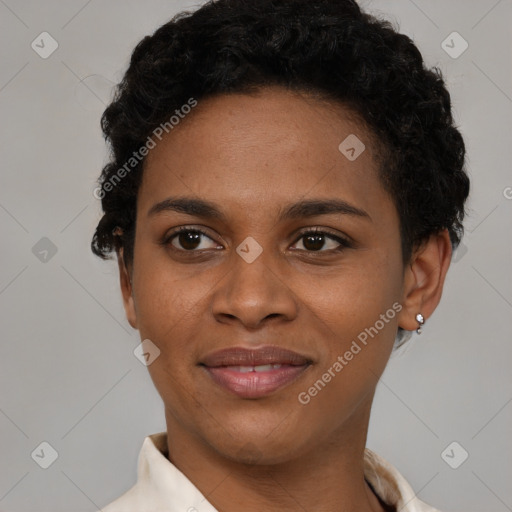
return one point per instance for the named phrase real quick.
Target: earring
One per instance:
(421, 321)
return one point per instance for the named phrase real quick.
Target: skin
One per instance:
(252, 155)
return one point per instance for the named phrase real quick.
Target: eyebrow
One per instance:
(302, 209)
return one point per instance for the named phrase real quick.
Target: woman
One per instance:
(285, 190)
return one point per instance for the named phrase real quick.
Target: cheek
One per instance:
(355, 317)
(166, 304)
(159, 284)
(353, 298)
(358, 328)
(167, 313)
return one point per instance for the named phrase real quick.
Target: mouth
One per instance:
(255, 373)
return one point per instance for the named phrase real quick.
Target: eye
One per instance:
(188, 239)
(315, 239)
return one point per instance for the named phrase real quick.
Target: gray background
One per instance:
(68, 375)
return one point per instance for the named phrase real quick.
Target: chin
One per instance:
(257, 445)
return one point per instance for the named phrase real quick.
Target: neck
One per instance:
(327, 475)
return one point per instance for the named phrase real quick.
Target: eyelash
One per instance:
(344, 243)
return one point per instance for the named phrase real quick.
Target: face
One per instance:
(257, 275)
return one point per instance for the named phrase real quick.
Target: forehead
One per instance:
(256, 152)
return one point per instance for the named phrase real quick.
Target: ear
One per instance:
(126, 289)
(424, 279)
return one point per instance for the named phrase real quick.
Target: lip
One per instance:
(224, 368)
(242, 356)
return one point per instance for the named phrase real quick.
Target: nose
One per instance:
(255, 293)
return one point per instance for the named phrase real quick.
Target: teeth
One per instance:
(260, 368)
(266, 367)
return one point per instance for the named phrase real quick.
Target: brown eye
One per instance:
(315, 241)
(188, 239)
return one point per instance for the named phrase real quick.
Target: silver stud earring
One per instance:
(421, 321)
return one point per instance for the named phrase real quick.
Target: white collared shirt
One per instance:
(162, 487)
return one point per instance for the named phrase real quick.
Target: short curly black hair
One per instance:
(325, 47)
